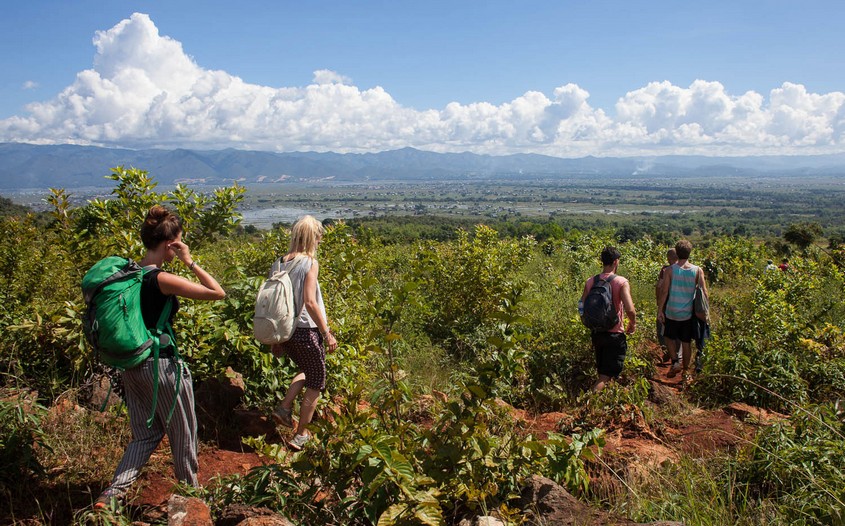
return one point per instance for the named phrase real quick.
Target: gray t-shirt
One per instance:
(297, 269)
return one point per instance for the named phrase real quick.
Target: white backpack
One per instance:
(275, 318)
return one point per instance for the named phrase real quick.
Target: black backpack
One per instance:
(599, 312)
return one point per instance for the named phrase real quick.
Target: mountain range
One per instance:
(24, 166)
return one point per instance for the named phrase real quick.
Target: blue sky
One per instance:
(559, 78)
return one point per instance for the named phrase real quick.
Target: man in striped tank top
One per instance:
(675, 306)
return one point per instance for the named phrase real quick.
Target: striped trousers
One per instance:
(182, 431)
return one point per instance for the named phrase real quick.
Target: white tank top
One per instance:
(297, 269)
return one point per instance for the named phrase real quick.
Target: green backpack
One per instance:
(114, 324)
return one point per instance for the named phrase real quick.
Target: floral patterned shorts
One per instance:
(306, 350)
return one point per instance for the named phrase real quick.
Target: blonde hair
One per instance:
(304, 234)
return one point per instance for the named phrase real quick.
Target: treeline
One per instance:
(662, 229)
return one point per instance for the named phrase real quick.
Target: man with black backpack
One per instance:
(605, 297)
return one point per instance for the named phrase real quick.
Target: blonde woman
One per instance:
(312, 336)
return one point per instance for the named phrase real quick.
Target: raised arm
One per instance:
(171, 284)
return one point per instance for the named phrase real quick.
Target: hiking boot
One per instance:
(283, 417)
(674, 370)
(299, 442)
(666, 357)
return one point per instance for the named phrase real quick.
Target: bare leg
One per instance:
(306, 409)
(672, 347)
(687, 347)
(296, 386)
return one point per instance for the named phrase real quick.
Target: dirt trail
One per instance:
(156, 485)
(698, 432)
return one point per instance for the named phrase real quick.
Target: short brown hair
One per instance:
(609, 255)
(160, 225)
(671, 255)
(683, 248)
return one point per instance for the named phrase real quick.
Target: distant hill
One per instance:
(68, 166)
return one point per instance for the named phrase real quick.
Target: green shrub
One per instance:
(798, 463)
(21, 437)
(769, 346)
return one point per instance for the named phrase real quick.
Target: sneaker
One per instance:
(674, 370)
(283, 417)
(107, 499)
(299, 442)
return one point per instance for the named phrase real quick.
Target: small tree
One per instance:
(110, 226)
(802, 235)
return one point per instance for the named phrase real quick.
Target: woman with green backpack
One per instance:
(159, 391)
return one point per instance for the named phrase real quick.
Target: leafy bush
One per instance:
(21, 436)
(47, 348)
(798, 463)
(370, 469)
(466, 282)
(766, 350)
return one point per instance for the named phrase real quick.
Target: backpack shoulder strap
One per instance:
(276, 266)
(163, 328)
(164, 318)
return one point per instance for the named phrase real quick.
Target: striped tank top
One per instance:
(681, 293)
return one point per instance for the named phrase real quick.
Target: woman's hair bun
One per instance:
(156, 214)
(160, 225)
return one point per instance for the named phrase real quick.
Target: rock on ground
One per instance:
(240, 515)
(748, 413)
(187, 511)
(545, 502)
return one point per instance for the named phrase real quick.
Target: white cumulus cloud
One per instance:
(29, 84)
(145, 91)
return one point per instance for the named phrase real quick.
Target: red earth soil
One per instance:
(702, 432)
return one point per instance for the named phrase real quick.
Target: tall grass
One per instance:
(698, 492)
